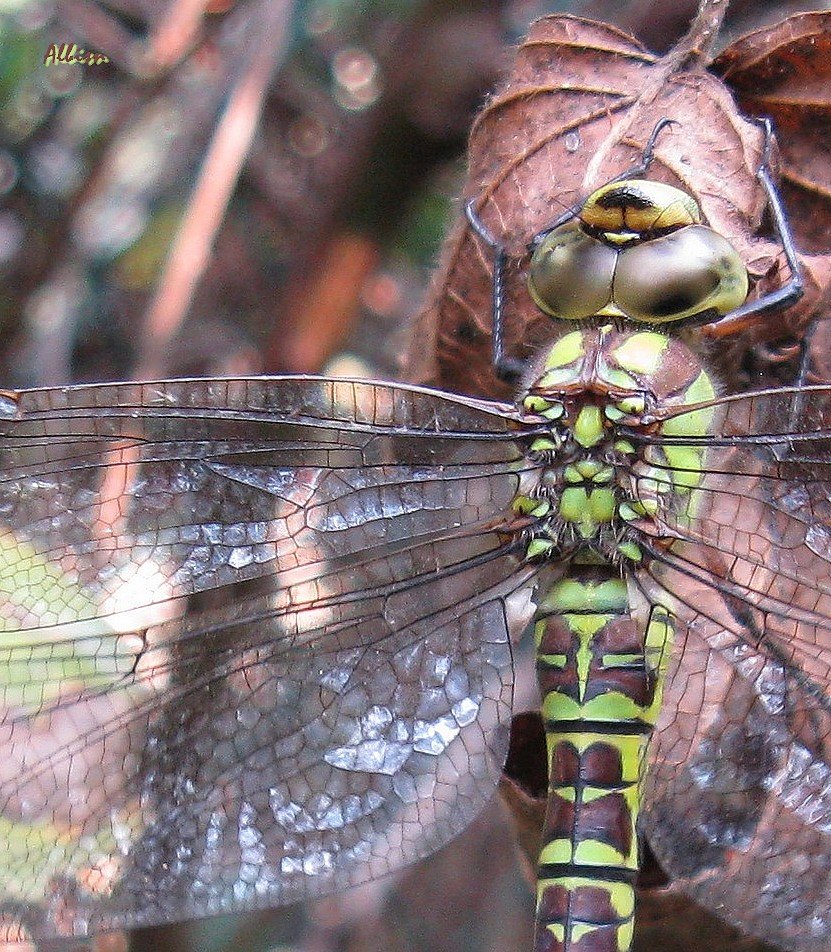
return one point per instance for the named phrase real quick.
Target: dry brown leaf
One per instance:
(784, 72)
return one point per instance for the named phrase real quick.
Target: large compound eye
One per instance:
(571, 273)
(688, 272)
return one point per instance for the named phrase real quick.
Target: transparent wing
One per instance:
(741, 775)
(256, 640)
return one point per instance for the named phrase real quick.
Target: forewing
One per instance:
(257, 640)
(740, 812)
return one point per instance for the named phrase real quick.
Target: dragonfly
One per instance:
(258, 633)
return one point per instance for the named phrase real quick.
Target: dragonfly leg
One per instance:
(804, 375)
(797, 408)
(507, 368)
(648, 153)
(751, 313)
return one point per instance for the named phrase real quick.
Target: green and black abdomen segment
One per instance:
(599, 678)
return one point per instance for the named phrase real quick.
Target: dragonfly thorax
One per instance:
(596, 477)
(576, 494)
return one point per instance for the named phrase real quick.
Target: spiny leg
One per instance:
(647, 157)
(507, 368)
(789, 293)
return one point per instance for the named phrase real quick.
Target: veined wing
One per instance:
(741, 775)
(256, 640)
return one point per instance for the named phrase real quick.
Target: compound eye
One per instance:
(688, 272)
(570, 275)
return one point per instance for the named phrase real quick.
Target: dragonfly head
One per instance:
(637, 250)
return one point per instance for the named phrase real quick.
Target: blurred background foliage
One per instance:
(262, 186)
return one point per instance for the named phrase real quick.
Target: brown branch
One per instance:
(694, 48)
(690, 53)
(191, 249)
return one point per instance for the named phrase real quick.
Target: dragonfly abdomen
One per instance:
(600, 696)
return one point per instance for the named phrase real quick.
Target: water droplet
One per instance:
(572, 141)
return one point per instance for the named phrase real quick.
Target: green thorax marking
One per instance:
(593, 484)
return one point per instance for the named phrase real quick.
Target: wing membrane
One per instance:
(740, 782)
(257, 640)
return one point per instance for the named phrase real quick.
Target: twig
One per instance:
(190, 252)
(697, 43)
(688, 54)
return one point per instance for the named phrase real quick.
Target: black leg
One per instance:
(507, 368)
(799, 398)
(648, 153)
(805, 356)
(792, 290)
